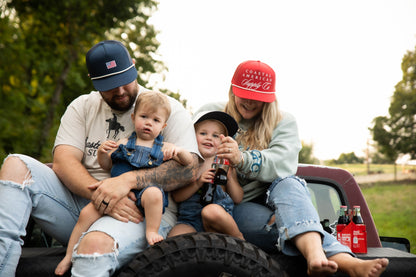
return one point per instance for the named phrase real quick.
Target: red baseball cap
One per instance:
(254, 80)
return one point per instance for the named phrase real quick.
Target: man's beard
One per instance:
(125, 107)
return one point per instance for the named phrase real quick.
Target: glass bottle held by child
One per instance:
(220, 167)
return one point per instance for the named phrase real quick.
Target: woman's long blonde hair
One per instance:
(259, 134)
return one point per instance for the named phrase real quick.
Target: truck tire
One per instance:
(200, 255)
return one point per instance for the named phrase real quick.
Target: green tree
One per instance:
(349, 158)
(379, 158)
(306, 154)
(396, 134)
(385, 138)
(42, 51)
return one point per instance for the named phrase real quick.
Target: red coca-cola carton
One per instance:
(359, 238)
(354, 236)
(344, 235)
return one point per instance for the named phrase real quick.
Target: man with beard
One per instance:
(55, 197)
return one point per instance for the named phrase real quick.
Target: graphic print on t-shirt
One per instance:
(113, 124)
(91, 148)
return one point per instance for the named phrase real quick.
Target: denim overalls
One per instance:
(132, 157)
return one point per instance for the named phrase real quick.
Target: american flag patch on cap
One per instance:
(111, 64)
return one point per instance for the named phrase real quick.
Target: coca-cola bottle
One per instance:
(325, 224)
(343, 221)
(359, 233)
(220, 177)
(343, 218)
(220, 166)
(356, 217)
(207, 194)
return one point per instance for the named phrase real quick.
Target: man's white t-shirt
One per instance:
(89, 121)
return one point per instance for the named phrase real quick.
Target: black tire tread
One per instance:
(203, 254)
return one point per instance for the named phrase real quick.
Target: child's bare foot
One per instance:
(369, 268)
(63, 266)
(321, 267)
(153, 237)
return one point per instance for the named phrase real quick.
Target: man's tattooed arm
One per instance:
(169, 175)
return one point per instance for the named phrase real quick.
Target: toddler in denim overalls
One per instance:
(130, 157)
(194, 214)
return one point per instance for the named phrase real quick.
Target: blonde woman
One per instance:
(276, 210)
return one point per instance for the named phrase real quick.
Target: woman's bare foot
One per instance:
(368, 268)
(310, 245)
(153, 237)
(321, 267)
(63, 265)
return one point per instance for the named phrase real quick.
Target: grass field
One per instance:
(393, 208)
(363, 169)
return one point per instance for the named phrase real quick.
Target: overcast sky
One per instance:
(336, 62)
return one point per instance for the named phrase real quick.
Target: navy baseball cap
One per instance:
(110, 65)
